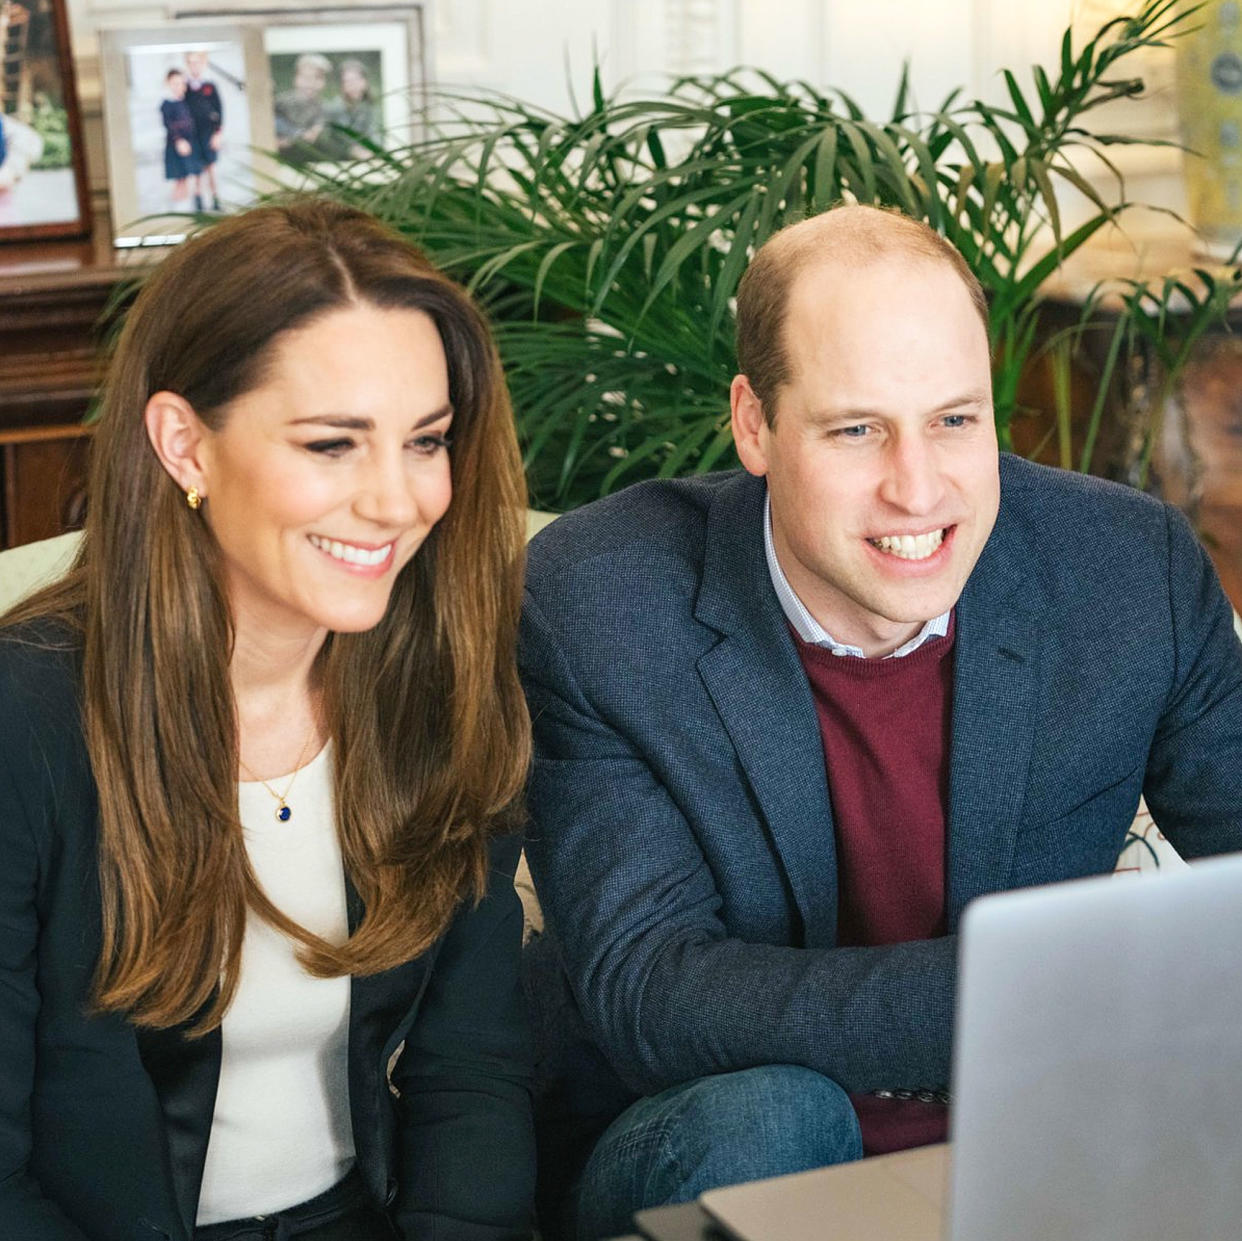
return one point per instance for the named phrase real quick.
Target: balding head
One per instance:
(850, 238)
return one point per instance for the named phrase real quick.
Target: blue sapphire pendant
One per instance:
(283, 813)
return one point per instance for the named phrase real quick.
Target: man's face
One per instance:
(309, 80)
(196, 63)
(882, 463)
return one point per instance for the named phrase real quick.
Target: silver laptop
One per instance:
(1097, 1081)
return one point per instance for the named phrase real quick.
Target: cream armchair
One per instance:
(23, 569)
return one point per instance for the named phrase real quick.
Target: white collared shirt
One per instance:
(809, 629)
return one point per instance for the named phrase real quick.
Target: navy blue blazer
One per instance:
(681, 834)
(103, 1129)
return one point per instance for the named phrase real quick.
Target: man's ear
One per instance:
(179, 440)
(750, 428)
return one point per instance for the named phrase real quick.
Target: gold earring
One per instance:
(193, 499)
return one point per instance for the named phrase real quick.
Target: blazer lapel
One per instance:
(760, 691)
(186, 1073)
(996, 679)
(381, 1012)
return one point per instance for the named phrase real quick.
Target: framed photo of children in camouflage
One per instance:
(346, 85)
(42, 170)
(187, 114)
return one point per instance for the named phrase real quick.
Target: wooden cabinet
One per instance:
(53, 296)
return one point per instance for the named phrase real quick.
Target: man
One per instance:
(790, 720)
(202, 97)
(300, 115)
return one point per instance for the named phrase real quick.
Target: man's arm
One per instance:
(665, 991)
(1193, 783)
(217, 119)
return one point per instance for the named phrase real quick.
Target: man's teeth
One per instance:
(351, 554)
(909, 546)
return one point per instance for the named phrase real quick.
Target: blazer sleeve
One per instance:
(24, 802)
(466, 1144)
(1193, 781)
(665, 991)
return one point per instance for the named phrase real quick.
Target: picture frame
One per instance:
(187, 119)
(42, 159)
(362, 71)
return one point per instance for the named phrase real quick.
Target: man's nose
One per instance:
(913, 481)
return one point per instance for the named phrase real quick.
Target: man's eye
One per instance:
(853, 433)
(958, 420)
(330, 448)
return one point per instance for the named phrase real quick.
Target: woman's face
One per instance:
(353, 84)
(325, 479)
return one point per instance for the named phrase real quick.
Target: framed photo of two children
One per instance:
(205, 113)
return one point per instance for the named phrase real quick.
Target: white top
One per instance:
(809, 629)
(281, 1129)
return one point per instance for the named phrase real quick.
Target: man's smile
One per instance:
(912, 546)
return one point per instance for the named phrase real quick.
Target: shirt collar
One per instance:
(809, 629)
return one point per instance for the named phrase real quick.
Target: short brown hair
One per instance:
(853, 235)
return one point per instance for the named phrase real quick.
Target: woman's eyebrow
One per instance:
(352, 422)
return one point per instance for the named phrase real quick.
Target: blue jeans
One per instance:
(709, 1132)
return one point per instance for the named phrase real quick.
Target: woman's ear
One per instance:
(179, 440)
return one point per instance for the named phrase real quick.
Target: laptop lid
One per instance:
(1097, 1078)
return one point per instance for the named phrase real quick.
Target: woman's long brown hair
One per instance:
(427, 717)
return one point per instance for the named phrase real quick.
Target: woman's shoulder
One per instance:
(40, 675)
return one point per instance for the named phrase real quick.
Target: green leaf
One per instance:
(1048, 196)
(1019, 103)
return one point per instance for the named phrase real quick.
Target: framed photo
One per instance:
(343, 84)
(42, 169)
(187, 116)
(344, 80)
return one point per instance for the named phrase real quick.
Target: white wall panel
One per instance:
(785, 37)
(866, 42)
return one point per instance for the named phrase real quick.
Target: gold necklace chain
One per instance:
(283, 811)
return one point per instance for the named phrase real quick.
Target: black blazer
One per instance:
(103, 1129)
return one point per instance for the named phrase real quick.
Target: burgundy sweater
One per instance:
(885, 725)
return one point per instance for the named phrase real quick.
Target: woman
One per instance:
(352, 116)
(258, 935)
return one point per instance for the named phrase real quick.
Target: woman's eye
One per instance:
(429, 444)
(330, 448)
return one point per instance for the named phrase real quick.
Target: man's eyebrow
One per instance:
(848, 413)
(351, 422)
(973, 397)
